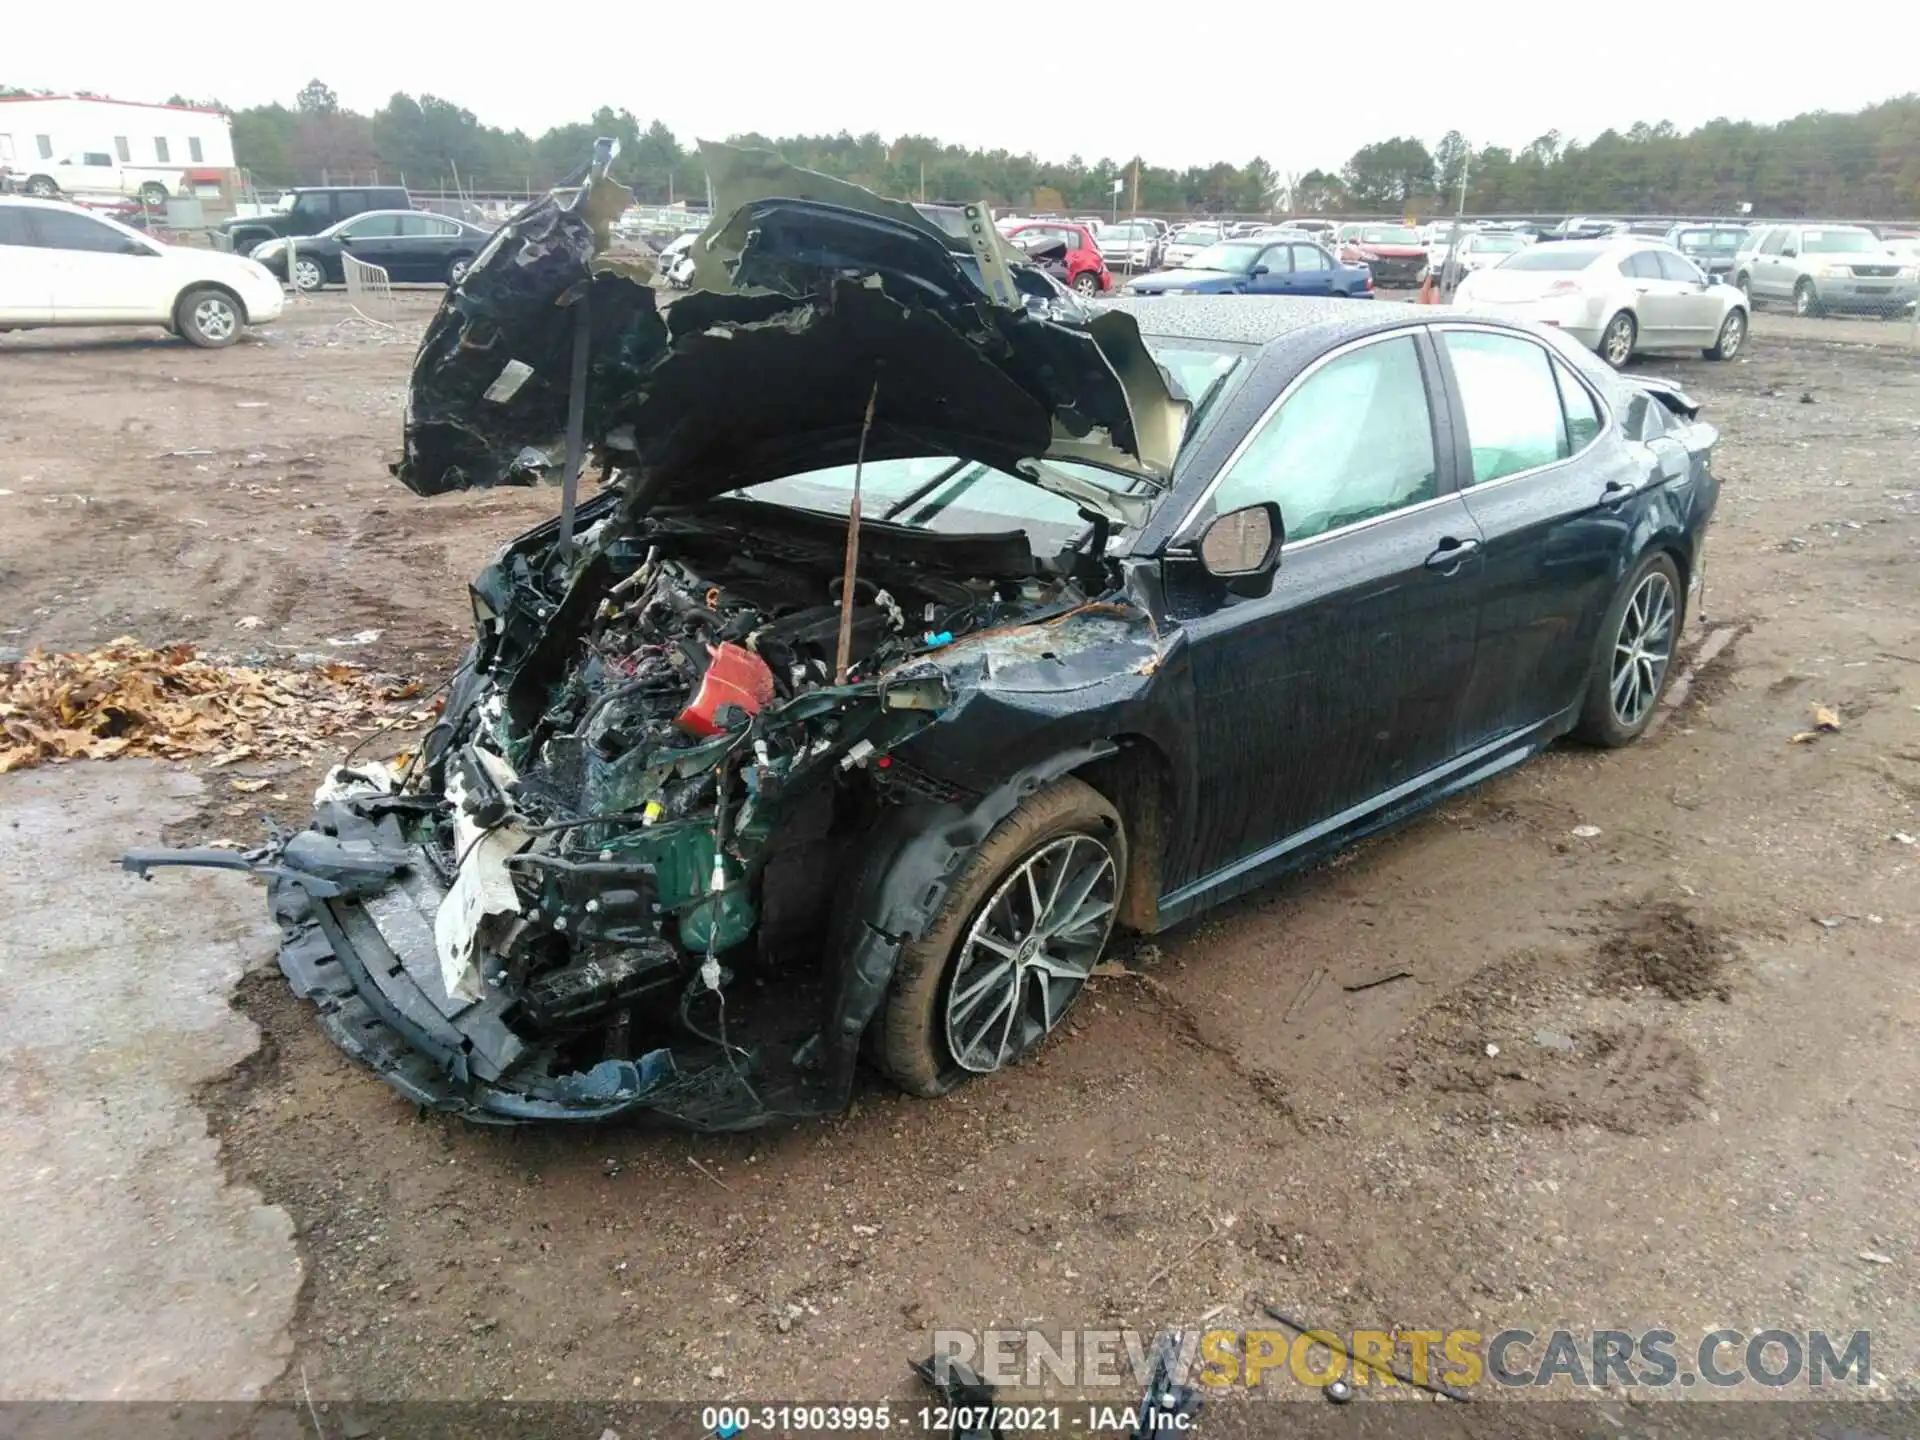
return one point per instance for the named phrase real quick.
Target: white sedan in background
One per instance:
(60, 265)
(1617, 297)
(1187, 242)
(1484, 250)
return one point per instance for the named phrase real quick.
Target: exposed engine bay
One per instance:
(648, 814)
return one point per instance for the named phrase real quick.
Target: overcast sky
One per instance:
(1302, 84)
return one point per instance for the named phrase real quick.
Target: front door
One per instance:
(1271, 272)
(374, 240)
(1344, 681)
(1553, 526)
(26, 272)
(101, 272)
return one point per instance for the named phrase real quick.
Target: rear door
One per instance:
(26, 271)
(1343, 683)
(1656, 299)
(1313, 272)
(424, 246)
(101, 273)
(1544, 492)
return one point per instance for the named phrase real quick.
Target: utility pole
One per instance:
(923, 182)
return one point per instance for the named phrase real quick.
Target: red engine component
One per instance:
(736, 677)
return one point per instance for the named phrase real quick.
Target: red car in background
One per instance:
(1394, 253)
(1066, 249)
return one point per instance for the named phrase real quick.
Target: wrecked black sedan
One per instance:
(917, 640)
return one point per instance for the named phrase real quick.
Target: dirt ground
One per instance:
(1652, 1062)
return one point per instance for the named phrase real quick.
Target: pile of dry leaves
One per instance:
(125, 699)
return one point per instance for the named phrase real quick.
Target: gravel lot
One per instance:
(1654, 1063)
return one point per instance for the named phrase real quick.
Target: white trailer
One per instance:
(70, 145)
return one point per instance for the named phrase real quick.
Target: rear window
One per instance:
(1553, 257)
(1723, 240)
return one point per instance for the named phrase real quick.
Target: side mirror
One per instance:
(1242, 543)
(1262, 269)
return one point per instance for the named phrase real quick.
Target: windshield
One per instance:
(1552, 257)
(1837, 242)
(1196, 235)
(951, 496)
(1727, 240)
(1497, 244)
(1234, 255)
(1389, 235)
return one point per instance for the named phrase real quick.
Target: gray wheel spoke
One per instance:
(1000, 1007)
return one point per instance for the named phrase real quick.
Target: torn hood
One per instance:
(810, 297)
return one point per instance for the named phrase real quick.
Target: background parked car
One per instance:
(1086, 270)
(410, 245)
(1480, 250)
(1133, 246)
(1260, 267)
(1820, 268)
(1187, 242)
(1616, 297)
(100, 172)
(1394, 253)
(60, 265)
(308, 211)
(1711, 247)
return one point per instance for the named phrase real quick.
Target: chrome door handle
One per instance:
(1452, 554)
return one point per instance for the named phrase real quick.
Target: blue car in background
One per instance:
(1294, 266)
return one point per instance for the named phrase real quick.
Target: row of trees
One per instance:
(1864, 163)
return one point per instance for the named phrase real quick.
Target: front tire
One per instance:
(209, 318)
(1617, 340)
(1732, 338)
(1806, 300)
(1634, 655)
(309, 273)
(1011, 948)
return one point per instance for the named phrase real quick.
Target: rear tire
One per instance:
(910, 1039)
(209, 318)
(1086, 283)
(1633, 655)
(153, 193)
(457, 269)
(41, 187)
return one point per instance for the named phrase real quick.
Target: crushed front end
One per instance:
(625, 869)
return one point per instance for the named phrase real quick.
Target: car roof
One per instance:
(1254, 319)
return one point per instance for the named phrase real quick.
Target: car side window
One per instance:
(423, 225)
(13, 226)
(1353, 442)
(1771, 245)
(1582, 410)
(369, 227)
(1274, 257)
(1676, 267)
(1310, 257)
(1641, 265)
(351, 202)
(315, 207)
(1512, 403)
(63, 230)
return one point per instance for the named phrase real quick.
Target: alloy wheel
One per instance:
(1642, 649)
(1733, 335)
(1029, 952)
(456, 272)
(307, 275)
(1088, 283)
(1617, 344)
(215, 318)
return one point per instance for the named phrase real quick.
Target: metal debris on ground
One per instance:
(1322, 1336)
(169, 703)
(966, 1396)
(1168, 1407)
(1377, 981)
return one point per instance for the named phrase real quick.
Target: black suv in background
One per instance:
(307, 211)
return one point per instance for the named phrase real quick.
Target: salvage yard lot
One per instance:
(1651, 1063)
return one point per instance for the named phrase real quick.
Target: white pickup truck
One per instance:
(98, 172)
